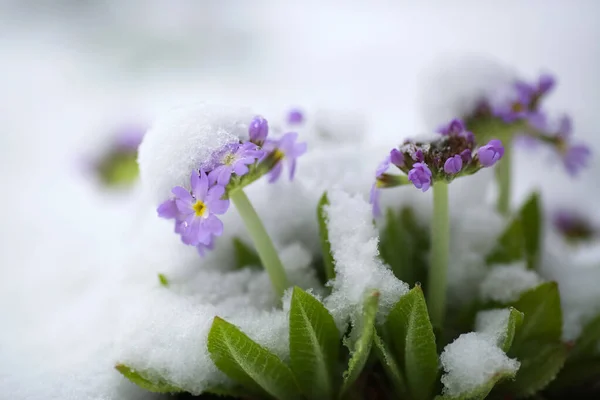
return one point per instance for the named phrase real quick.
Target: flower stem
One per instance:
(440, 237)
(264, 246)
(503, 173)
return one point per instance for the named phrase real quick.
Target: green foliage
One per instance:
(245, 256)
(118, 169)
(390, 366)
(143, 380)
(328, 262)
(531, 222)
(163, 280)
(537, 344)
(515, 320)
(249, 364)
(482, 391)
(522, 237)
(404, 246)
(586, 345)
(314, 346)
(413, 343)
(360, 349)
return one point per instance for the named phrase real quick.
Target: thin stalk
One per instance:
(440, 247)
(264, 246)
(503, 174)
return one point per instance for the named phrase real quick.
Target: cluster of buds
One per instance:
(574, 227)
(196, 209)
(452, 155)
(519, 111)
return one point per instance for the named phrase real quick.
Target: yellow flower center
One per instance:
(518, 107)
(229, 159)
(278, 155)
(199, 208)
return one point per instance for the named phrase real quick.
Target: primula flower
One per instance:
(575, 158)
(453, 165)
(258, 130)
(490, 153)
(234, 159)
(420, 176)
(286, 149)
(295, 117)
(199, 209)
(376, 191)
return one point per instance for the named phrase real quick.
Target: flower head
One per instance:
(453, 165)
(420, 176)
(455, 127)
(258, 130)
(490, 153)
(295, 117)
(199, 208)
(576, 157)
(396, 158)
(285, 149)
(235, 159)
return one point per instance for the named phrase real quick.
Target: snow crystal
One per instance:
(185, 139)
(493, 323)
(354, 240)
(505, 283)
(453, 85)
(471, 361)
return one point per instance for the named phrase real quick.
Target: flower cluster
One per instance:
(454, 154)
(195, 209)
(572, 226)
(519, 111)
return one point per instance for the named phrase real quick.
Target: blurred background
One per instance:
(74, 72)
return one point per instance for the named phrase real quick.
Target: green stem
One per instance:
(440, 247)
(264, 246)
(503, 173)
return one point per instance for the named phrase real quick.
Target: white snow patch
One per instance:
(493, 323)
(505, 283)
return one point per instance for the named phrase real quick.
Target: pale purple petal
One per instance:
(213, 225)
(182, 194)
(275, 172)
(374, 200)
(168, 209)
(199, 184)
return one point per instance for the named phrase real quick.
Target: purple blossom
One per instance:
(258, 130)
(418, 156)
(565, 127)
(383, 166)
(490, 153)
(453, 165)
(397, 158)
(466, 156)
(576, 158)
(203, 248)
(455, 127)
(286, 149)
(545, 84)
(129, 139)
(374, 200)
(234, 160)
(168, 209)
(420, 176)
(295, 117)
(199, 209)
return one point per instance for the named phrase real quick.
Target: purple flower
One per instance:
(545, 84)
(295, 117)
(203, 248)
(234, 160)
(383, 166)
(576, 158)
(565, 127)
(420, 176)
(466, 156)
(199, 209)
(168, 209)
(455, 127)
(490, 153)
(453, 165)
(396, 158)
(418, 156)
(258, 130)
(287, 149)
(374, 200)
(129, 138)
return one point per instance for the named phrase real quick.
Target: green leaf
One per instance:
(510, 247)
(143, 380)
(324, 235)
(314, 345)
(248, 363)
(515, 320)
(361, 348)
(413, 343)
(531, 223)
(540, 364)
(245, 255)
(575, 374)
(543, 315)
(163, 280)
(390, 366)
(537, 343)
(404, 246)
(481, 391)
(587, 344)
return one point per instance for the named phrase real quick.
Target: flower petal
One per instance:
(182, 194)
(199, 184)
(213, 225)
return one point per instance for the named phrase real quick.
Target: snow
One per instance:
(353, 239)
(184, 139)
(505, 283)
(493, 323)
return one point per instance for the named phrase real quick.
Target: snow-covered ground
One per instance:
(71, 72)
